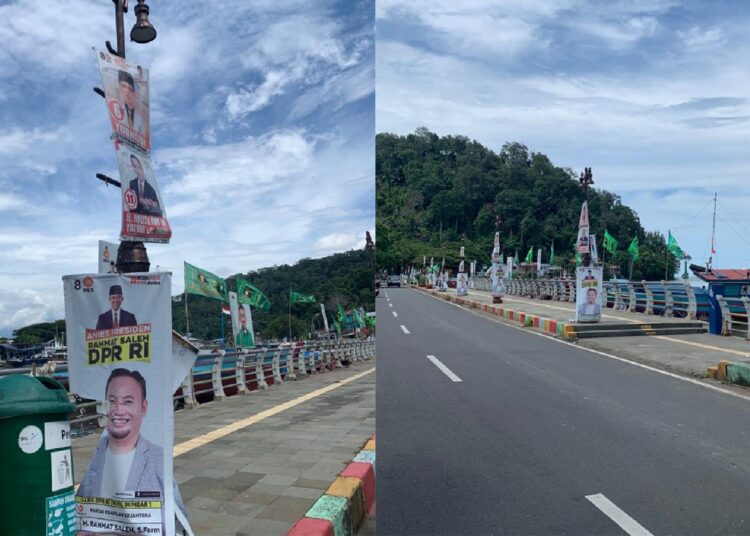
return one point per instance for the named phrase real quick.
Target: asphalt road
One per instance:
(535, 426)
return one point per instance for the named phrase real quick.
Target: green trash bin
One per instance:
(36, 488)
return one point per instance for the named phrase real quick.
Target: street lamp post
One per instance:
(131, 256)
(586, 179)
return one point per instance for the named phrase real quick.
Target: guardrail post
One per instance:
(292, 368)
(649, 299)
(260, 375)
(301, 368)
(668, 300)
(216, 376)
(631, 297)
(239, 366)
(726, 315)
(692, 311)
(275, 366)
(746, 303)
(618, 296)
(188, 391)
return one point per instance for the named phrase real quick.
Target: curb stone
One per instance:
(347, 501)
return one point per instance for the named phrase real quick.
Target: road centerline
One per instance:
(395, 314)
(403, 328)
(612, 511)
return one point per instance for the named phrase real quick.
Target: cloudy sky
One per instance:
(262, 134)
(653, 95)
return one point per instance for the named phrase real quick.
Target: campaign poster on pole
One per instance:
(589, 293)
(582, 244)
(143, 216)
(242, 323)
(119, 333)
(498, 288)
(107, 257)
(462, 283)
(126, 91)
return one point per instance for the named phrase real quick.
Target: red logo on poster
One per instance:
(88, 281)
(115, 110)
(131, 200)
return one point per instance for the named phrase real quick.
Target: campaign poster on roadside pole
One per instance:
(242, 323)
(119, 333)
(462, 283)
(126, 92)
(498, 287)
(107, 257)
(582, 245)
(589, 293)
(143, 216)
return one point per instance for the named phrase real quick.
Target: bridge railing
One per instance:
(734, 316)
(218, 374)
(664, 298)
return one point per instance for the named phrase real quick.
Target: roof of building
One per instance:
(733, 275)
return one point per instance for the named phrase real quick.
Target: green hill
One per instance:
(433, 191)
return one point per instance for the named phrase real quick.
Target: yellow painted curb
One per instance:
(569, 331)
(370, 445)
(352, 490)
(712, 372)
(722, 373)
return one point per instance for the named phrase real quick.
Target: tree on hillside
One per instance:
(433, 191)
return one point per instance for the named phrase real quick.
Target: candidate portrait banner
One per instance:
(589, 293)
(126, 92)
(107, 257)
(119, 335)
(582, 244)
(143, 216)
(242, 323)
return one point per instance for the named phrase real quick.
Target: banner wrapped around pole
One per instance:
(123, 357)
(498, 287)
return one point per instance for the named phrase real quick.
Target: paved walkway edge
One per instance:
(553, 327)
(346, 502)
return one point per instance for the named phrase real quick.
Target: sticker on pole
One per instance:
(61, 515)
(30, 439)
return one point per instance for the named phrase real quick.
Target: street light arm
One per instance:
(108, 180)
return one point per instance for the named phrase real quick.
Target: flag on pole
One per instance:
(530, 255)
(296, 297)
(610, 243)
(634, 250)
(204, 283)
(250, 295)
(552, 254)
(226, 309)
(673, 247)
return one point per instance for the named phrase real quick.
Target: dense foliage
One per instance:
(343, 278)
(433, 191)
(40, 333)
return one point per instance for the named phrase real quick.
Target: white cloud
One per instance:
(339, 242)
(696, 38)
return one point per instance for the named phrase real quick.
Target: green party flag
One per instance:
(579, 259)
(204, 283)
(296, 297)
(342, 313)
(610, 243)
(250, 295)
(530, 255)
(633, 249)
(673, 248)
(552, 254)
(337, 327)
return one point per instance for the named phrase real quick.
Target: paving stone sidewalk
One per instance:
(261, 479)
